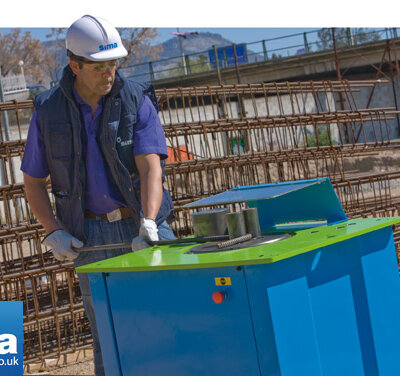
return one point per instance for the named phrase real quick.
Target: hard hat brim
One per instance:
(111, 54)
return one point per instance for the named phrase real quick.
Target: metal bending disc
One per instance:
(260, 240)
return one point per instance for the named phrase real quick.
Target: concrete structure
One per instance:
(14, 88)
(356, 63)
(319, 66)
(20, 95)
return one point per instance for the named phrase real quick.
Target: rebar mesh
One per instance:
(219, 137)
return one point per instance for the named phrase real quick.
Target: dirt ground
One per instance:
(79, 363)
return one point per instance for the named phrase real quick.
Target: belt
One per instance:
(113, 216)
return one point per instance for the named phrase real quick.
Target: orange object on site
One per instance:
(179, 154)
(218, 297)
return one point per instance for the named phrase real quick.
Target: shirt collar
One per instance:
(80, 101)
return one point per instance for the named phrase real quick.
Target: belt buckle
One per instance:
(114, 215)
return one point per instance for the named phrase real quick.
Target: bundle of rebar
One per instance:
(218, 137)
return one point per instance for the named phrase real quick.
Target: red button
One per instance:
(218, 297)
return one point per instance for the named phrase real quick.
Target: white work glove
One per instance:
(61, 243)
(148, 230)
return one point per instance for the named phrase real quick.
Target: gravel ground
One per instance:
(79, 363)
(82, 368)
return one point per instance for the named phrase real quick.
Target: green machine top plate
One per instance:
(170, 257)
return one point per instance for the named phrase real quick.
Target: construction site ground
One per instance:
(78, 363)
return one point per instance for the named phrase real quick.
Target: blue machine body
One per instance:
(333, 310)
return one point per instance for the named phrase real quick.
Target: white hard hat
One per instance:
(95, 39)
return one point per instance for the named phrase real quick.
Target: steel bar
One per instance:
(234, 241)
(270, 87)
(273, 122)
(234, 89)
(102, 247)
(195, 239)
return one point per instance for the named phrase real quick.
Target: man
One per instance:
(100, 139)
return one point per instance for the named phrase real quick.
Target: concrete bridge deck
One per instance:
(319, 65)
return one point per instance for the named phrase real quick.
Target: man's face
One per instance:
(97, 78)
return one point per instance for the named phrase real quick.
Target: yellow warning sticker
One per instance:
(223, 281)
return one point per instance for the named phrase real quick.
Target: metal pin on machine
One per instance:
(252, 221)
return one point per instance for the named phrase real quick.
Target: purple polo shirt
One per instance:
(102, 195)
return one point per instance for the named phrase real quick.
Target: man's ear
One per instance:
(74, 65)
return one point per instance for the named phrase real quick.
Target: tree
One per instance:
(43, 63)
(137, 42)
(362, 35)
(56, 43)
(17, 46)
(200, 64)
(345, 37)
(57, 34)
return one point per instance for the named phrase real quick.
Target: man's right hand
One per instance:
(148, 231)
(61, 243)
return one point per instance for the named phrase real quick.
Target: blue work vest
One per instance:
(63, 132)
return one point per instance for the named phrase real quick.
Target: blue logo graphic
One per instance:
(104, 47)
(11, 338)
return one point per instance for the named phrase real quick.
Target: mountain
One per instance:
(170, 56)
(192, 44)
(170, 48)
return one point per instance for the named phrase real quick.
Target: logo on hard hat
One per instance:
(104, 47)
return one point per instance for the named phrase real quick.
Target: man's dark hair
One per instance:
(74, 57)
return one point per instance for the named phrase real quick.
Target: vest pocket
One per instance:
(60, 144)
(64, 209)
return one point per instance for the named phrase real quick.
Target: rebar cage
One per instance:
(218, 137)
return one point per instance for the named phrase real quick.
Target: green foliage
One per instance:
(33, 93)
(178, 71)
(323, 138)
(199, 64)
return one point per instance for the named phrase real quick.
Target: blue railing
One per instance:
(273, 49)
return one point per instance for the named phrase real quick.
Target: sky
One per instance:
(235, 35)
(236, 20)
(204, 13)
